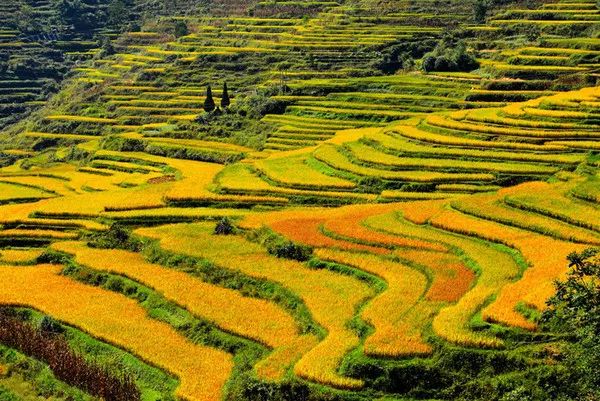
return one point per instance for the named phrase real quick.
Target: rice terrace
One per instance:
(300, 200)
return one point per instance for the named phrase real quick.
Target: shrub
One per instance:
(257, 106)
(279, 246)
(449, 58)
(371, 184)
(224, 227)
(401, 55)
(51, 326)
(121, 144)
(290, 250)
(180, 29)
(116, 237)
(480, 11)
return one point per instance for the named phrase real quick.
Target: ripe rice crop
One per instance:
(123, 166)
(451, 278)
(581, 145)
(449, 123)
(350, 226)
(490, 207)
(353, 112)
(196, 177)
(466, 188)
(114, 318)
(172, 214)
(94, 203)
(550, 200)
(545, 255)
(558, 114)
(588, 190)
(48, 184)
(239, 178)
(495, 269)
(402, 146)
(19, 256)
(80, 180)
(293, 171)
(75, 137)
(81, 119)
(20, 233)
(208, 199)
(252, 318)
(308, 231)
(492, 116)
(414, 196)
(424, 136)
(16, 193)
(308, 122)
(422, 212)
(226, 147)
(328, 154)
(370, 155)
(332, 305)
(394, 335)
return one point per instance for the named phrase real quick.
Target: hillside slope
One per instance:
(289, 200)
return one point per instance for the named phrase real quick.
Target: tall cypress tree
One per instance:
(209, 102)
(225, 101)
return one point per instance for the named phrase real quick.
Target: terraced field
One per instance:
(338, 225)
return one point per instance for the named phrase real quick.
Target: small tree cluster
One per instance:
(290, 250)
(209, 102)
(449, 58)
(116, 237)
(68, 366)
(480, 11)
(279, 246)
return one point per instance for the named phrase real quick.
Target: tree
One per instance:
(575, 312)
(81, 16)
(107, 48)
(449, 56)
(119, 12)
(480, 10)
(181, 29)
(225, 101)
(209, 102)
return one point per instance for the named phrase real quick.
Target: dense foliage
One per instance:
(575, 313)
(449, 57)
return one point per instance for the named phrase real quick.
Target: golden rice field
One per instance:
(331, 307)
(102, 314)
(466, 251)
(350, 227)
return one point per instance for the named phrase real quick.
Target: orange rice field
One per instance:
(203, 371)
(332, 305)
(443, 264)
(333, 231)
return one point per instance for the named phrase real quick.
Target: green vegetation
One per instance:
(448, 58)
(574, 313)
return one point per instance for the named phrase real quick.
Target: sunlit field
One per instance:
(299, 200)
